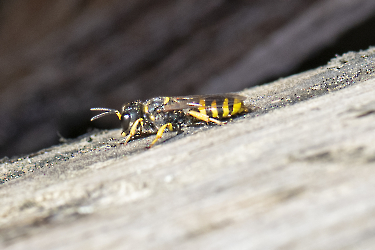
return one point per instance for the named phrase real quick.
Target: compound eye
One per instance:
(125, 122)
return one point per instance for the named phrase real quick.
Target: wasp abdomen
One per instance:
(221, 107)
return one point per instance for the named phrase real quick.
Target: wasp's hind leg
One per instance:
(203, 117)
(160, 132)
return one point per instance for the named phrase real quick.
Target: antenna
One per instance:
(107, 112)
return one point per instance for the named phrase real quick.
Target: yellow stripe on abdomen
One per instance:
(237, 106)
(213, 109)
(225, 108)
(202, 106)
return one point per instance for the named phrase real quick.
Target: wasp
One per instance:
(158, 114)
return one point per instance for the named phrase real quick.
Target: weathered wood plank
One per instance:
(300, 177)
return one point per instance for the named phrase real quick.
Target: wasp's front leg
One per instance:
(133, 130)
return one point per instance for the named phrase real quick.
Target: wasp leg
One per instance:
(133, 130)
(203, 117)
(160, 133)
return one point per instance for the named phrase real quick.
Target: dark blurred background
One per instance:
(60, 58)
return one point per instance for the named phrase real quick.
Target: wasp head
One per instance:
(129, 114)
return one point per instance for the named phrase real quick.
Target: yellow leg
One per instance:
(160, 132)
(133, 130)
(203, 117)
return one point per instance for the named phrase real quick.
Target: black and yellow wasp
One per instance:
(156, 115)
